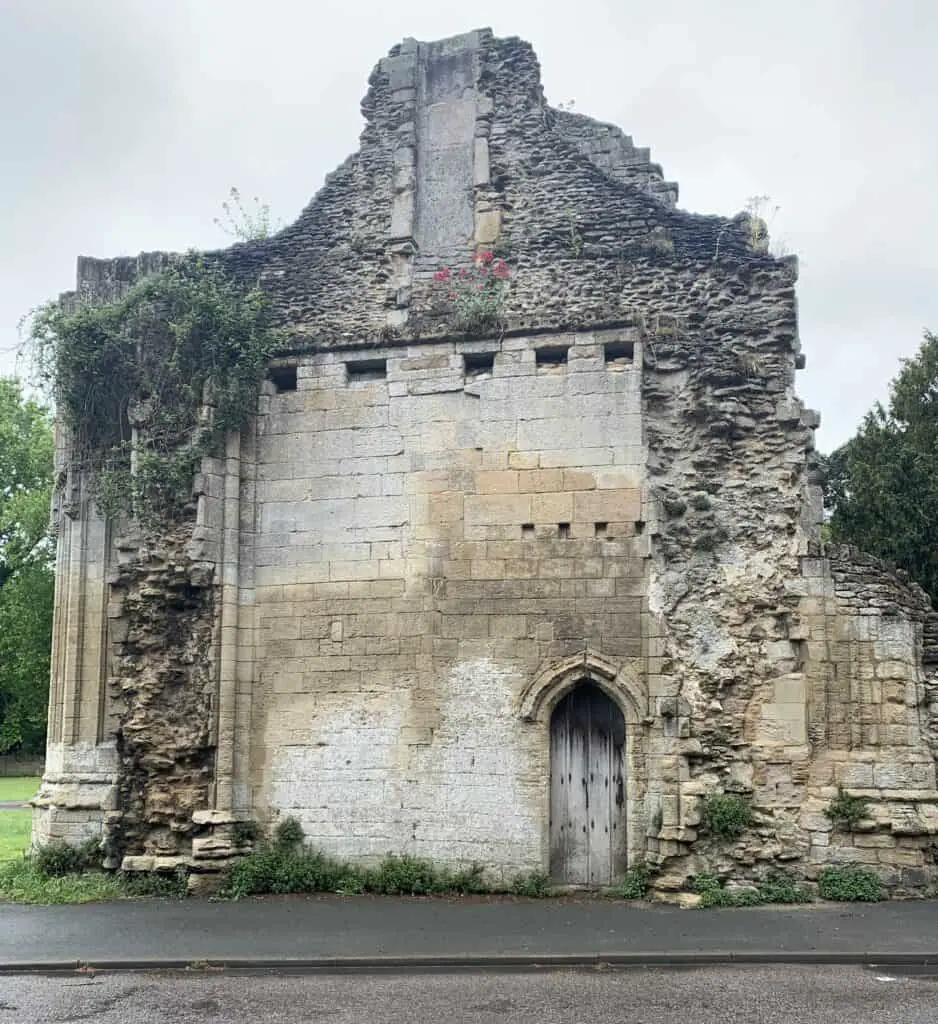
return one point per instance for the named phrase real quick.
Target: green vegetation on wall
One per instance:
(727, 816)
(847, 811)
(130, 379)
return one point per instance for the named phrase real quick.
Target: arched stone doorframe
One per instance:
(625, 687)
(557, 677)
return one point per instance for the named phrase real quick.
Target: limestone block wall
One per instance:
(430, 528)
(868, 717)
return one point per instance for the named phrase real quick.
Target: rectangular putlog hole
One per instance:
(563, 531)
(551, 356)
(527, 531)
(361, 371)
(283, 377)
(478, 364)
(619, 353)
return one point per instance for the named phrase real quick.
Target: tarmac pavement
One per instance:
(713, 995)
(332, 932)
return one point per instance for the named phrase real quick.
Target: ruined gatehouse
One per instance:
(526, 591)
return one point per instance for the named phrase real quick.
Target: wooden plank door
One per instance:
(587, 789)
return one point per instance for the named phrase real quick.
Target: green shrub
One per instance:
(709, 888)
(55, 860)
(278, 868)
(352, 884)
(701, 502)
(776, 889)
(532, 883)
(634, 886)
(781, 889)
(712, 891)
(847, 811)
(470, 880)
(173, 886)
(849, 884)
(244, 832)
(709, 540)
(727, 816)
(289, 832)
(674, 507)
(408, 876)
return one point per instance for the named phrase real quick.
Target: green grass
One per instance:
(23, 881)
(20, 882)
(15, 827)
(18, 788)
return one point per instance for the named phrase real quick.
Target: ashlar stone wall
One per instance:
(426, 536)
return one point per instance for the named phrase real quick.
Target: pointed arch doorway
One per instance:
(588, 838)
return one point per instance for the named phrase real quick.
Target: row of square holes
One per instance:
(475, 364)
(563, 529)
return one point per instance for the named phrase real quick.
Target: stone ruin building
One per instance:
(526, 596)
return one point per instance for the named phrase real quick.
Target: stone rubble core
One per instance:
(425, 541)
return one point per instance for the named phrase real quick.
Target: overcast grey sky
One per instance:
(124, 123)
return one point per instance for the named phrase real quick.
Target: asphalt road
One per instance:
(737, 995)
(331, 926)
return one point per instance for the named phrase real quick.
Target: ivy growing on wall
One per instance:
(151, 383)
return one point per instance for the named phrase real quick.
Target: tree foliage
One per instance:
(882, 486)
(26, 577)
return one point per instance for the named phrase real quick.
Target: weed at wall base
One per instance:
(850, 885)
(21, 881)
(288, 833)
(534, 885)
(281, 868)
(55, 860)
(634, 886)
(776, 889)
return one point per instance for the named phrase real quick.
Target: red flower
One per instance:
(463, 274)
(485, 257)
(443, 275)
(500, 270)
